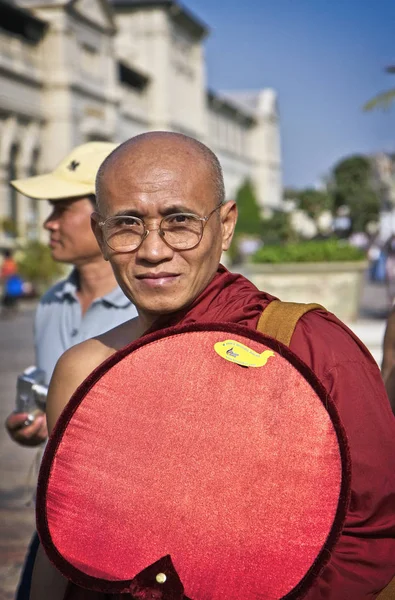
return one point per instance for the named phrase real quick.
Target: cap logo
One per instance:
(73, 165)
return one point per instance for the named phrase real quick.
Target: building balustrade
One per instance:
(19, 56)
(134, 102)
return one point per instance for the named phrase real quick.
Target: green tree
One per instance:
(277, 229)
(290, 193)
(249, 219)
(314, 202)
(352, 186)
(383, 100)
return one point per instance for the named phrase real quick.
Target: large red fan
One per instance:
(176, 461)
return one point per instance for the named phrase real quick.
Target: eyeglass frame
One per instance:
(205, 220)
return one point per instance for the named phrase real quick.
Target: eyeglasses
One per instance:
(180, 231)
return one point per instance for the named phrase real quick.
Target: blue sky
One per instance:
(325, 58)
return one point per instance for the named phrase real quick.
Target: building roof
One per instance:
(262, 102)
(177, 11)
(91, 17)
(229, 105)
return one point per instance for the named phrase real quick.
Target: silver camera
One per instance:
(31, 392)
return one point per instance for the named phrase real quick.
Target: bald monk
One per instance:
(148, 183)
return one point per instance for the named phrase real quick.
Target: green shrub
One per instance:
(36, 265)
(314, 251)
(9, 227)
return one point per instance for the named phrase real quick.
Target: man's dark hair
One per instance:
(92, 200)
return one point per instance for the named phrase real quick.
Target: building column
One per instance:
(4, 185)
(25, 168)
(5, 241)
(265, 149)
(9, 139)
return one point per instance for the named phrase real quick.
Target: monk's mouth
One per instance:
(159, 280)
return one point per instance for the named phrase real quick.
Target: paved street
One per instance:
(370, 326)
(16, 484)
(16, 519)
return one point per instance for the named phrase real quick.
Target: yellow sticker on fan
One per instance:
(236, 352)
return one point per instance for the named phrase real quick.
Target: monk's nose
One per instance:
(153, 248)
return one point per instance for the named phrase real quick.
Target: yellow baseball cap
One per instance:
(74, 176)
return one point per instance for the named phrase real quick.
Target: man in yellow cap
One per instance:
(88, 302)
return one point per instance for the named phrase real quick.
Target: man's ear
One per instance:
(98, 232)
(228, 223)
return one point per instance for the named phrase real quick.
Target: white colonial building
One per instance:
(80, 70)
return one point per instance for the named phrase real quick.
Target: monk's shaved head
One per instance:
(151, 188)
(165, 150)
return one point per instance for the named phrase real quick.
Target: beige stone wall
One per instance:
(64, 90)
(337, 286)
(143, 41)
(173, 59)
(235, 170)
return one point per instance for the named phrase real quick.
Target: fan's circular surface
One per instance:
(234, 472)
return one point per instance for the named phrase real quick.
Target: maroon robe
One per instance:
(363, 560)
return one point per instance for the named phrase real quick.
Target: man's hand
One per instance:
(27, 435)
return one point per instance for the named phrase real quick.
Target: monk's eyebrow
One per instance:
(176, 208)
(169, 210)
(128, 213)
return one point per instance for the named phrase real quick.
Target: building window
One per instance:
(131, 78)
(90, 60)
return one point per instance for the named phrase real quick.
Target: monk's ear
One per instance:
(228, 223)
(96, 219)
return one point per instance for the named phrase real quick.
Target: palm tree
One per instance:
(383, 100)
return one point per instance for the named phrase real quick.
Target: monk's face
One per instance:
(155, 181)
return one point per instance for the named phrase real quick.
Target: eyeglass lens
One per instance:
(181, 232)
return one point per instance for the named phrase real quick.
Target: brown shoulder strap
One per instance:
(279, 319)
(388, 593)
